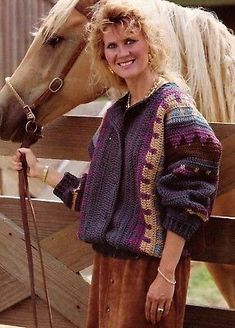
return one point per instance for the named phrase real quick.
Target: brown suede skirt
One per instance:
(119, 288)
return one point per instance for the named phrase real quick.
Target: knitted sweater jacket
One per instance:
(153, 167)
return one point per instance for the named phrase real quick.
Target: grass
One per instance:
(202, 289)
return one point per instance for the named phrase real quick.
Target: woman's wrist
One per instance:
(168, 266)
(169, 277)
(39, 169)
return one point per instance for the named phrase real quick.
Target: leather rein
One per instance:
(33, 133)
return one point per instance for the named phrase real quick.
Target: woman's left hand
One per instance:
(159, 297)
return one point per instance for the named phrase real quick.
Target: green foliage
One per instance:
(202, 289)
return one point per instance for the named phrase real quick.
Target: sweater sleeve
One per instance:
(70, 190)
(188, 185)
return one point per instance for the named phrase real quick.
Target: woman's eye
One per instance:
(111, 46)
(54, 41)
(130, 41)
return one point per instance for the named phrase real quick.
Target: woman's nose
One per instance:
(123, 51)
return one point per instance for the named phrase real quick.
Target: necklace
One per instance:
(156, 85)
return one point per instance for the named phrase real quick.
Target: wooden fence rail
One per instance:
(65, 256)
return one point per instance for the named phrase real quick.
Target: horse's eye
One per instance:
(54, 41)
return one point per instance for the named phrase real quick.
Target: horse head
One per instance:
(54, 75)
(202, 50)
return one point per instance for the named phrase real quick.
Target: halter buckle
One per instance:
(30, 115)
(31, 126)
(56, 84)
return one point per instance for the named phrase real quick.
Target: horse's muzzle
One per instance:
(12, 122)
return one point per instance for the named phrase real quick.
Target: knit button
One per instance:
(107, 308)
(110, 138)
(112, 281)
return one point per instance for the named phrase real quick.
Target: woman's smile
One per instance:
(126, 63)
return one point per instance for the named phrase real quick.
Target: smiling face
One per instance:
(126, 52)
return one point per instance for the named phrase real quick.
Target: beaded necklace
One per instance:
(156, 85)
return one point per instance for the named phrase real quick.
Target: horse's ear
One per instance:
(84, 7)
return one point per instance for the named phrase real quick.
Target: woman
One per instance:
(152, 178)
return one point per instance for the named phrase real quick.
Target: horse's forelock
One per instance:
(57, 17)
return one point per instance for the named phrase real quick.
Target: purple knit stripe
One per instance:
(179, 133)
(145, 196)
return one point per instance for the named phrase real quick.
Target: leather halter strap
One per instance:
(58, 82)
(55, 85)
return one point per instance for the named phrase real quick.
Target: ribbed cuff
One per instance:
(182, 223)
(69, 181)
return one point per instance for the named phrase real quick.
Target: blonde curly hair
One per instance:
(131, 14)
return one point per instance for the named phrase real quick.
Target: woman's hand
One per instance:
(35, 168)
(159, 296)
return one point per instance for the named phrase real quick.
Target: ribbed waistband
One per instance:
(108, 250)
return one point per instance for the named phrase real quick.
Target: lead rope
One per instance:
(25, 195)
(23, 182)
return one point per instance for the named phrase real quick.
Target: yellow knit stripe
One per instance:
(150, 189)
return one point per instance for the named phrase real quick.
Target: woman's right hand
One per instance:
(35, 169)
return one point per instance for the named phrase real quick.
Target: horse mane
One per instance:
(57, 17)
(203, 51)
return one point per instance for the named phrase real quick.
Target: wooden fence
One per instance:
(65, 256)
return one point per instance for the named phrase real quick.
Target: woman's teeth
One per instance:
(126, 63)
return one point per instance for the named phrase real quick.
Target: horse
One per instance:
(202, 50)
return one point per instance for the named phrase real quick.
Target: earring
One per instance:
(110, 69)
(150, 58)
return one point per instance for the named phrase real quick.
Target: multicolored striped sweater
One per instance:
(153, 167)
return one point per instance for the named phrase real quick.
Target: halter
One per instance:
(55, 85)
(32, 136)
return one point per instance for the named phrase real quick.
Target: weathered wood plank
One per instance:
(20, 316)
(65, 246)
(205, 317)
(218, 231)
(68, 130)
(227, 171)
(56, 225)
(51, 215)
(218, 242)
(223, 130)
(77, 132)
(13, 290)
(75, 255)
(68, 291)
